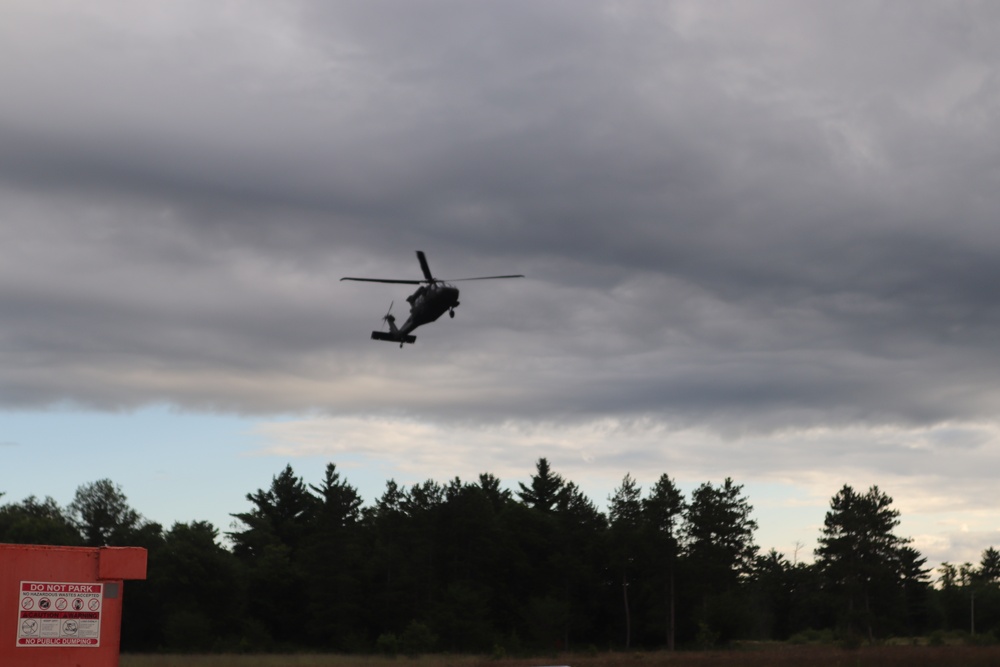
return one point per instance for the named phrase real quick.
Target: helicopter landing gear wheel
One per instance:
(451, 313)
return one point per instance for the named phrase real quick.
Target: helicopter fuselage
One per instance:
(429, 303)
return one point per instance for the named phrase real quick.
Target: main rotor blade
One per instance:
(457, 280)
(386, 280)
(422, 258)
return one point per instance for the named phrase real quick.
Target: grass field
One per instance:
(770, 656)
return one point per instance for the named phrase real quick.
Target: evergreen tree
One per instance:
(625, 516)
(859, 555)
(914, 582)
(422, 504)
(576, 559)
(720, 533)
(662, 513)
(771, 585)
(198, 593)
(546, 487)
(969, 598)
(470, 552)
(333, 554)
(269, 545)
(989, 566)
(720, 554)
(498, 497)
(556, 535)
(339, 502)
(391, 595)
(282, 514)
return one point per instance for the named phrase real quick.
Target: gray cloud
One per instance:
(746, 216)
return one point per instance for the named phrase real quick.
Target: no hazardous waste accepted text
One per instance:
(59, 614)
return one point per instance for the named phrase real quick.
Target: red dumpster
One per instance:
(63, 605)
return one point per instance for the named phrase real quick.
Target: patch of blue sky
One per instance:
(172, 466)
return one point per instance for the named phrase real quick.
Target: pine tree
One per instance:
(270, 545)
(546, 487)
(625, 516)
(333, 554)
(720, 554)
(859, 555)
(662, 514)
(720, 533)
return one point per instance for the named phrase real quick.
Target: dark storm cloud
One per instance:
(749, 215)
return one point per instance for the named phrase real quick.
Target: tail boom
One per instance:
(393, 337)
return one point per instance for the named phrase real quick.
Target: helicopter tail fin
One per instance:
(393, 334)
(393, 337)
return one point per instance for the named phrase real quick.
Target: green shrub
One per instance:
(417, 639)
(982, 639)
(387, 644)
(706, 637)
(811, 636)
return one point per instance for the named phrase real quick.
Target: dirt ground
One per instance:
(766, 656)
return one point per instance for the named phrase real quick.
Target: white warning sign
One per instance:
(59, 614)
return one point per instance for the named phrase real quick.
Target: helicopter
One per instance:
(432, 299)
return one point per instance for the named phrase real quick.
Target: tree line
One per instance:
(474, 567)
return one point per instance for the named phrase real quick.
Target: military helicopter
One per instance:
(432, 299)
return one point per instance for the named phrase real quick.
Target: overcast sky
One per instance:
(761, 240)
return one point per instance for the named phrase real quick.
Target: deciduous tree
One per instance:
(37, 522)
(100, 511)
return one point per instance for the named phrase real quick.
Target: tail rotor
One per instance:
(389, 318)
(393, 333)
